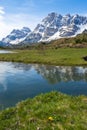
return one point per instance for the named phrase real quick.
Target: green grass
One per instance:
(68, 113)
(60, 56)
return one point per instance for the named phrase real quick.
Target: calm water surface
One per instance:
(5, 51)
(20, 81)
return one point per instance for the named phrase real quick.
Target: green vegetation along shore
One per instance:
(60, 56)
(51, 111)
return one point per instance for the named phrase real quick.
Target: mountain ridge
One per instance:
(16, 36)
(54, 26)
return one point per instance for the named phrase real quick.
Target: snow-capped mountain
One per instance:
(56, 26)
(16, 36)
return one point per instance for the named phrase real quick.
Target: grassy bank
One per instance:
(60, 56)
(52, 111)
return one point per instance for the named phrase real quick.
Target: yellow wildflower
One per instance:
(50, 118)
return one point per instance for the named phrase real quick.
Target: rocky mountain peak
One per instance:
(51, 18)
(25, 30)
(85, 31)
(16, 35)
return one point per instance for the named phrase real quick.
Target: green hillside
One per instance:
(52, 111)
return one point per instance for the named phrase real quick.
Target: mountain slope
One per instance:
(79, 41)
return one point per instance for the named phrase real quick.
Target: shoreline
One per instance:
(59, 57)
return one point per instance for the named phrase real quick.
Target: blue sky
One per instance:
(19, 13)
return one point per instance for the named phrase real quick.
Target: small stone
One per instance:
(38, 128)
(85, 58)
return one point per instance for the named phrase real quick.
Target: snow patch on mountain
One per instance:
(81, 28)
(54, 37)
(17, 41)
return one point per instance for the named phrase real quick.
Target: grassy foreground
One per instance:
(60, 56)
(51, 111)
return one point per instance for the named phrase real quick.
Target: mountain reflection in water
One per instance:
(20, 81)
(55, 74)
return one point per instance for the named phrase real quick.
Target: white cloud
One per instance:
(3, 28)
(10, 21)
(2, 10)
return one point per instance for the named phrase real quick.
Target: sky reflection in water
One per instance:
(19, 81)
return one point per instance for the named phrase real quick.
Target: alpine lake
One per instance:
(19, 81)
